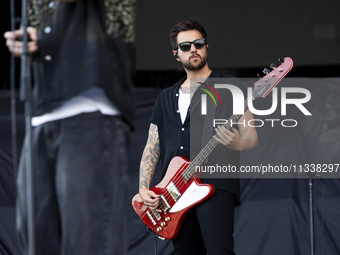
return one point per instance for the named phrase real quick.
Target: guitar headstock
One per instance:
(264, 86)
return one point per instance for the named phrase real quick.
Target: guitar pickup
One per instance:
(174, 192)
(151, 218)
(157, 215)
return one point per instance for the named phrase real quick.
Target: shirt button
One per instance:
(47, 30)
(51, 5)
(182, 129)
(181, 147)
(178, 111)
(48, 58)
(176, 95)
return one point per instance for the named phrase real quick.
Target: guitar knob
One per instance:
(159, 229)
(163, 224)
(167, 219)
(266, 71)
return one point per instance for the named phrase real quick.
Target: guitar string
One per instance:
(189, 171)
(183, 179)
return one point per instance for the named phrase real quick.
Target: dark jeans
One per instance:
(208, 228)
(80, 186)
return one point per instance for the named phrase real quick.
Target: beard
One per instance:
(195, 65)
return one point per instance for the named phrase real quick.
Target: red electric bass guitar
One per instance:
(181, 189)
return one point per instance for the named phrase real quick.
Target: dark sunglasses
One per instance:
(186, 46)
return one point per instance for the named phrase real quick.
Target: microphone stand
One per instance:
(25, 96)
(311, 215)
(311, 211)
(311, 208)
(13, 99)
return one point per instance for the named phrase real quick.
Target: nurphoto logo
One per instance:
(240, 104)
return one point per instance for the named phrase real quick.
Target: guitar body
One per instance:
(178, 196)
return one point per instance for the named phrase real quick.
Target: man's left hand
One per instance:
(230, 138)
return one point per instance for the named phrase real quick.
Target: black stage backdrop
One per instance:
(274, 217)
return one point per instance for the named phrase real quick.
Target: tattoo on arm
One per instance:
(150, 158)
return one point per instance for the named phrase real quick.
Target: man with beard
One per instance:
(208, 228)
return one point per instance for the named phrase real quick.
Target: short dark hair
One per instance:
(187, 25)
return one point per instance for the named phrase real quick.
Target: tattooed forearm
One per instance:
(150, 158)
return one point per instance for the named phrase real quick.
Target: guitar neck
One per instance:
(209, 147)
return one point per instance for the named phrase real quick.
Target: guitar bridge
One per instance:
(174, 192)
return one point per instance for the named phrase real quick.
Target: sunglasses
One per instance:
(186, 46)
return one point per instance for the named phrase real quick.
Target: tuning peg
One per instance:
(259, 76)
(266, 71)
(280, 59)
(272, 65)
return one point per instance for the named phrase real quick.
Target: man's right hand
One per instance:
(150, 198)
(15, 45)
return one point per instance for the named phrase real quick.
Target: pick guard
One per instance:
(190, 197)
